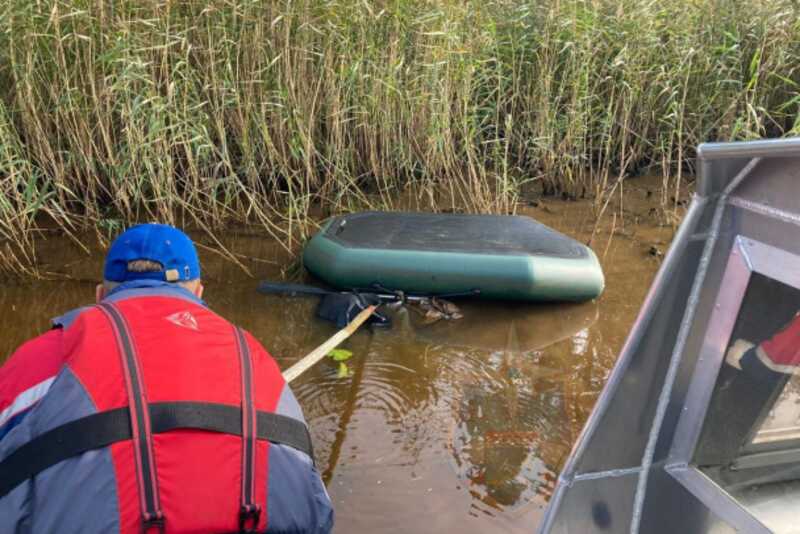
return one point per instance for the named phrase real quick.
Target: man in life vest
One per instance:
(149, 413)
(748, 386)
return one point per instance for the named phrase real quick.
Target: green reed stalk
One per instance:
(208, 112)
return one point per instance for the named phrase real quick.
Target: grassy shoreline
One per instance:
(262, 111)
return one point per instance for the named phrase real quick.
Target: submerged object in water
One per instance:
(493, 256)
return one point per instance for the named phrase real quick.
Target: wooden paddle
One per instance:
(334, 341)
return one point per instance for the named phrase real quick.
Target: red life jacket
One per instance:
(781, 352)
(192, 398)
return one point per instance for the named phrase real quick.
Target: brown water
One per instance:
(452, 427)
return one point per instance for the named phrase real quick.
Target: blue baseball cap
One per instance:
(155, 242)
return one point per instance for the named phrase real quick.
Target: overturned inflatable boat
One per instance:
(489, 256)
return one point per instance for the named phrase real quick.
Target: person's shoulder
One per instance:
(783, 348)
(33, 364)
(36, 353)
(26, 377)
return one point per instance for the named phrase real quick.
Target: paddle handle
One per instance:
(320, 352)
(281, 288)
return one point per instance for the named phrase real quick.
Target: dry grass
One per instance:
(206, 112)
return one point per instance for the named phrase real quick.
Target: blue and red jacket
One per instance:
(781, 353)
(151, 412)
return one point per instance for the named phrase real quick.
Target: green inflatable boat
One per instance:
(491, 256)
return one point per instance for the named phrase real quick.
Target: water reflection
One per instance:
(507, 440)
(495, 448)
(512, 326)
(422, 409)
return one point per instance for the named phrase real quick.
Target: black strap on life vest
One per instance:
(249, 512)
(152, 515)
(106, 428)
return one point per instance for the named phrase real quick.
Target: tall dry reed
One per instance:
(210, 111)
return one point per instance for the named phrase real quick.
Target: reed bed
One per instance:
(207, 112)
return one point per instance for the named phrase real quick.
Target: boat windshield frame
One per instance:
(748, 256)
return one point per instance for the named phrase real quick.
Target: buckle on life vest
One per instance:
(248, 518)
(153, 521)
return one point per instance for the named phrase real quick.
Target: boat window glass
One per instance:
(750, 442)
(782, 423)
